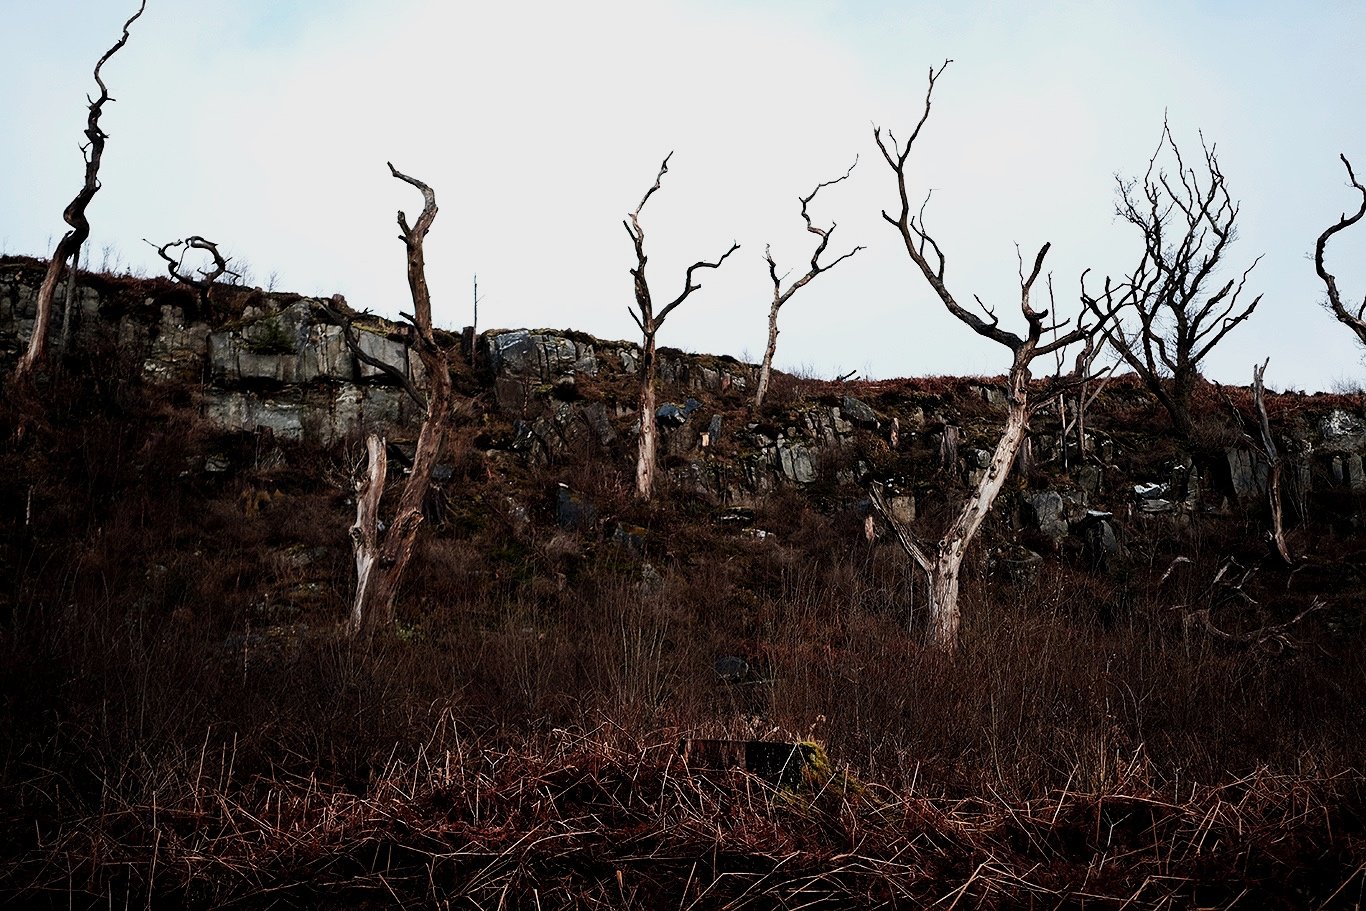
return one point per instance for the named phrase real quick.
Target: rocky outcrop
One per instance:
(274, 364)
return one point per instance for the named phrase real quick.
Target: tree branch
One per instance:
(336, 317)
(1354, 321)
(412, 237)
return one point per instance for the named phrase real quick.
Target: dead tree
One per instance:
(1187, 221)
(69, 302)
(649, 321)
(70, 244)
(1356, 321)
(1274, 465)
(1044, 335)
(175, 264)
(781, 297)
(382, 552)
(1266, 448)
(1088, 383)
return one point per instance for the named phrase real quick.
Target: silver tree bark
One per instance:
(1274, 466)
(365, 532)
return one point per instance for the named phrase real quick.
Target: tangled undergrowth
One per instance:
(599, 819)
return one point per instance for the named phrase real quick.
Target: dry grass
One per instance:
(600, 818)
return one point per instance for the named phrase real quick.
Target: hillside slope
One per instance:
(1148, 704)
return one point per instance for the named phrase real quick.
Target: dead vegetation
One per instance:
(600, 818)
(184, 727)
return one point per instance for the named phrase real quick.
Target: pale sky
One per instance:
(265, 125)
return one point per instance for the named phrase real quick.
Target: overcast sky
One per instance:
(265, 125)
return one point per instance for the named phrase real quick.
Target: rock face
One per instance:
(269, 364)
(1247, 473)
(1046, 513)
(284, 370)
(1342, 431)
(522, 361)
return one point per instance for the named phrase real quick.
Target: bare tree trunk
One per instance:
(770, 349)
(943, 564)
(74, 216)
(1274, 465)
(400, 538)
(69, 305)
(646, 452)
(948, 563)
(1179, 403)
(948, 448)
(377, 580)
(365, 531)
(1080, 430)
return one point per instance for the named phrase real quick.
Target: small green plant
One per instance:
(270, 337)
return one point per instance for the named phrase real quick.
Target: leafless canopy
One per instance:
(781, 295)
(74, 215)
(175, 263)
(1352, 319)
(927, 255)
(1187, 221)
(1044, 334)
(644, 315)
(648, 320)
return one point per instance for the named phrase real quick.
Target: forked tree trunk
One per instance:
(1273, 493)
(376, 592)
(1274, 464)
(943, 563)
(382, 560)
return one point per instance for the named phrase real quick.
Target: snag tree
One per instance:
(68, 248)
(781, 296)
(1353, 319)
(649, 320)
(1044, 335)
(1274, 466)
(382, 551)
(175, 264)
(1176, 311)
